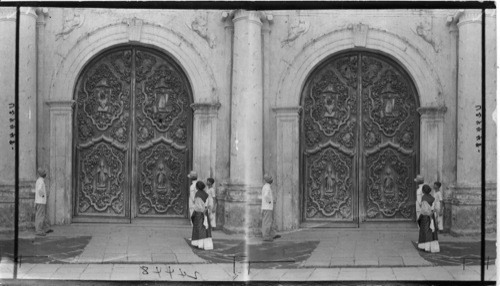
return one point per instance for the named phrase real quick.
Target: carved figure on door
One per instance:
(389, 186)
(103, 92)
(330, 100)
(331, 178)
(102, 175)
(161, 177)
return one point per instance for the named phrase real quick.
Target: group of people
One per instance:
(202, 208)
(203, 205)
(429, 209)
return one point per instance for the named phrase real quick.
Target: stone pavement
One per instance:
(158, 252)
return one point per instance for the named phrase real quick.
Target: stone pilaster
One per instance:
(205, 138)
(59, 177)
(432, 147)
(246, 154)
(27, 95)
(7, 75)
(466, 192)
(287, 187)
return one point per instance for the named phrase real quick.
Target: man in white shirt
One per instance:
(193, 177)
(268, 233)
(40, 204)
(420, 181)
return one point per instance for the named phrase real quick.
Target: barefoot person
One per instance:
(202, 231)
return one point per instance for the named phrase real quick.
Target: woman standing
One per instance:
(202, 231)
(428, 233)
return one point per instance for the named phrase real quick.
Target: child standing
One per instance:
(438, 195)
(213, 197)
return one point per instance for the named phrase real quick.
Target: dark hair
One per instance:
(200, 185)
(211, 180)
(438, 184)
(426, 189)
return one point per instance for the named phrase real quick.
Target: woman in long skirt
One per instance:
(202, 231)
(428, 233)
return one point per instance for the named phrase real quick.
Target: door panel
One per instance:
(102, 125)
(330, 151)
(359, 140)
(389, 116)
(127, 168)
(162, 121)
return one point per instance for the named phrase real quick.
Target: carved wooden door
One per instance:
(132, 136)
(360, 130)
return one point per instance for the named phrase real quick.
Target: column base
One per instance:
(240, 206)
(26, 206)
(466, 209)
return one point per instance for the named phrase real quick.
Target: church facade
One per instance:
(343, 108)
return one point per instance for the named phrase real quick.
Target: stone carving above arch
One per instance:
(199, 25)
(71, 22)
(187, 54)
(317, 49)
(296, 29)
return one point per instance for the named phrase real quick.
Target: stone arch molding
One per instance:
(199, 74)
(295, 74)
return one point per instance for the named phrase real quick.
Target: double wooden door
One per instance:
(132, 136)
(360, 134)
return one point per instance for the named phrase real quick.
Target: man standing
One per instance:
(420, 181)
(193, 177)
(268, 233)
(40, 204)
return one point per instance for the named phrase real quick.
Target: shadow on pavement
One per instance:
(225, 249)
(48, 249)
(453, 253)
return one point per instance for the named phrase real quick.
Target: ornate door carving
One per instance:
(132, 122)
(359, 134)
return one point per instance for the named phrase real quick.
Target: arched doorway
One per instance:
(359, 141)
(132, 139)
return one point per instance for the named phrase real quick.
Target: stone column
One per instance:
(60, 184)
(27, 95)
(205, 138)
(246, 158)
(466, 207)
(7, 74)
(287, 209)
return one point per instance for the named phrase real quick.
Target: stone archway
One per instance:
(132, 136)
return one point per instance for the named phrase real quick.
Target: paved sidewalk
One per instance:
(224, 272)
(158, 252)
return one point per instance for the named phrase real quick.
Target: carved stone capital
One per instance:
(206, 108)
(432, 111)
(29, 11)
(42, 14)
(468, 17)
(61, 104)
(288, 111)
(257, 17)
(8, 14)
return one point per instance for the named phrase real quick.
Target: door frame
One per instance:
(360, 217)
(131, 199)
